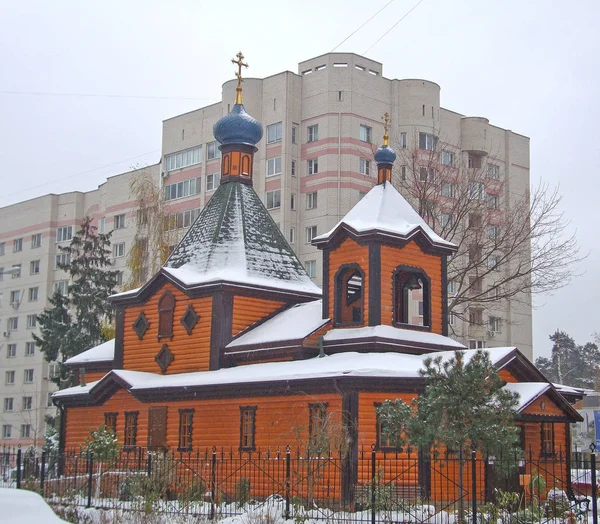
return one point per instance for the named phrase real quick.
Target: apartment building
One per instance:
(314, 162)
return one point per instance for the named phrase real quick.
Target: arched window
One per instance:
(412, 297)
(166, 307)
(349, 295)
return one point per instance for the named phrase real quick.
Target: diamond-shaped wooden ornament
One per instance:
(164, 358)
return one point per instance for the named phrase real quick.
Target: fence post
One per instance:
(42, 472)
(149, 464)
(474, 484)
(19, 456)
(373, 482)
(213, 482)
(90, 478)
(594, 494)
(287, 482)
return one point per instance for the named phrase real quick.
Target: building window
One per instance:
(365, 166)
(17, 245)
(411, 286)
(119, 250)
(212, 150)
(294, 134)
(62, 260)
(15, 298)
(212, 181)
(274, 132)
(182, 159)
(11, 350)
(119, 277)
(31, 321)
(446, 220)
(8, 404)
(476, 191)
(547, 436)
(311, 232)
(9, 378)
(312, 133)
(34, 267)
(311, 268)
(493, 201)
(27, 403)
(317, 425)
(403, 173)
(476, 317)
(2, 248)
(61, 286)
(36, 240)
(313, 166)
(119, 221)
(311, 200)
(183, 189)
(427, 141)
(130, 433)
(292, 235)
(110, 422)
(477, 344)
(6, 431)
(426, 174)
(365, 133)
(17, 271)
(274, 199)
(13, 323)
(25, 430)
(495, 324)
(473, 161)
(293, 168)
(64, 233)
(448, 158)
(181, 219)
(274, 166)
(451, 319)
(349, 295)
(49, 402)
(493, 171)
(186, 417)
(102, 224)
(53, 370)
(29, 349)
(293, 201)
(452, 287)
(384, 439)
(492, 232)
(166, 307)
(493, 261)
(403, 141)
(247, 427)
(448, 190)
(28, 376)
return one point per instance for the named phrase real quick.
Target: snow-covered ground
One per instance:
(19, 506)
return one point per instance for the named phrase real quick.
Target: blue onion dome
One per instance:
(238, 127)
(385, 155)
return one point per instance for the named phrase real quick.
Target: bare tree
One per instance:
(153, 238)
(509, 245)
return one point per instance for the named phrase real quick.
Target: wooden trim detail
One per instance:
(190, 313)
(445, 313)
(166, 311)
(350, 426)
(119, 337)
(374, 284)
(339, 293)
(325, 281)
(221, 325)
(252, 411)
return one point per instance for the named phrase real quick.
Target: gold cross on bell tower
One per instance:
(386, 127)
(240, 63)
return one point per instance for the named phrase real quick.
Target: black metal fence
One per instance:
(370, 486)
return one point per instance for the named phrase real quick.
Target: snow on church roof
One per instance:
(295, 323)
(528, 391)
(384, 365)
(235, 240)
(105, 352)
(384, 209)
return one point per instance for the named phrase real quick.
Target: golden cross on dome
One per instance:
(386, 127)
(240, 63)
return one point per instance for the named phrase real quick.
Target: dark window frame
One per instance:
(243, 433)
(379, 435)
(340, 294)
(420, 273)
(186, 429)
(130, 431)
(166, 313)
(110, 421)
(547, 439)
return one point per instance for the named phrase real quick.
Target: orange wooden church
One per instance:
(231, 343)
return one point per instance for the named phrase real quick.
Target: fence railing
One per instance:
(369, 486)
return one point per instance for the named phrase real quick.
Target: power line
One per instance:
(22, 191)
(101, 95)
(363, 25)
(403, 17)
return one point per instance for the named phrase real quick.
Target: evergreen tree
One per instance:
(77, 321)
(463, 405)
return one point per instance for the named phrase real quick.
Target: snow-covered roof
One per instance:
(391, 333)
(383, 365)
(295, 323)
(234, 239)
(571, 390)
(385, 210)
(105, 352)
(528, 391)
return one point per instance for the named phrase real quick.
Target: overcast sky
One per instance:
(527, 65)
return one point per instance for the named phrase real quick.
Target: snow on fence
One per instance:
(372, 486)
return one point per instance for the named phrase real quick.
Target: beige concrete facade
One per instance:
(344, 96)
